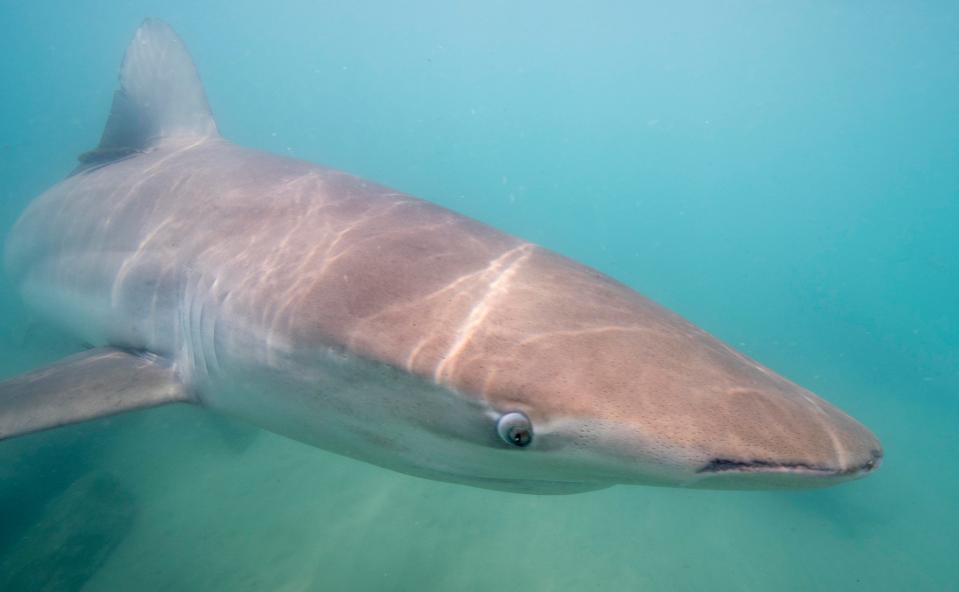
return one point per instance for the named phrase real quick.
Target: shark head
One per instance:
(563, 380)
(614, 410)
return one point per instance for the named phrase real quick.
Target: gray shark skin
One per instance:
(367, 322)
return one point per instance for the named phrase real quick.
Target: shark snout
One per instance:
(801, 441)
(864, 458)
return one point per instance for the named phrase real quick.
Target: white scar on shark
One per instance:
(376, 325)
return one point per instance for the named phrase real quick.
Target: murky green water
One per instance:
(787, 177)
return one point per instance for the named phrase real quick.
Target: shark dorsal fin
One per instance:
(160, 97)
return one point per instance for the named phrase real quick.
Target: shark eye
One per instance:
(515, 428)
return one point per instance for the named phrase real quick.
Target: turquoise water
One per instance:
(787, 177)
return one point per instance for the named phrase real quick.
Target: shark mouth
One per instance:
(727, 465)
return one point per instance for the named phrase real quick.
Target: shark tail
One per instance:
(160, 98)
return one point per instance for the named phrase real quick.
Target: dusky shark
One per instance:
(375, 325)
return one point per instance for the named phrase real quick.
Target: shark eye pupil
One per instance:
(519, 436)
(516, 429)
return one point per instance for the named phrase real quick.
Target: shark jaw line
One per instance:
(726, 465)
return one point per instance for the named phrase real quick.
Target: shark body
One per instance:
(367, 322)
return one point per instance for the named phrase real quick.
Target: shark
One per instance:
(364, 321)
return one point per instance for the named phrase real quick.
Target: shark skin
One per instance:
(379, 326)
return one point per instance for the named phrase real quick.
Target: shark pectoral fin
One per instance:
(92, 384)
